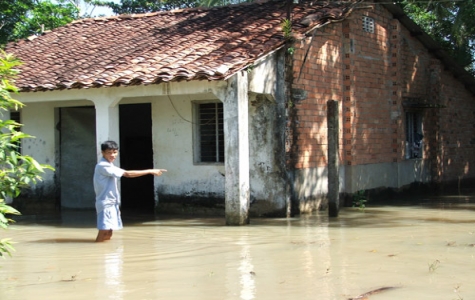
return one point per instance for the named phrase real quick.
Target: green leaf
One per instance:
(6, 247)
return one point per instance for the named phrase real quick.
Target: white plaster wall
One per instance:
(391, 175)
(172, 136)
(266, 175)
(173, 149)
(263, 78)
(267, 119)
(413, 170)
(313, 183)
(172, 131)
(39, 120)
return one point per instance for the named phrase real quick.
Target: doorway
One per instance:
(77, 144)
(136, 153)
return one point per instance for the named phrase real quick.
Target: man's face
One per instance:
(110, 155)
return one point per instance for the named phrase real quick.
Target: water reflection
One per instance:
(246, 270)
(113, 262)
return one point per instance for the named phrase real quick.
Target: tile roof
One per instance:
(191, 44)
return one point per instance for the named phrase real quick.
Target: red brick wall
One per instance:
(322, 77)
(454, 155)
(368, 61)
(371, 75)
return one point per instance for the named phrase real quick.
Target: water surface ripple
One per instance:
(426, 251)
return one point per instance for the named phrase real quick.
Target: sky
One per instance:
(99, 10)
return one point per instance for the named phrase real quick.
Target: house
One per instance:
(234, 104)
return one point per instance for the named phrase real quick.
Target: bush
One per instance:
(17, 171)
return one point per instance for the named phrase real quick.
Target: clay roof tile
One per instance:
(189, 44)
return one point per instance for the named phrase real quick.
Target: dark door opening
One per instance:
(136, 153)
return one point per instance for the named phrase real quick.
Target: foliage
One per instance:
(17, 171)
(5, 244)
(451, 24)
(22, 18)
(209, 3)
(359, 200)
(287, 28)
(45, 15)
(13, 11)
(8, 72)
(86, 7)
(145, 6)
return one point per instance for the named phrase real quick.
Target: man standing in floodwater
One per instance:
(106, 188)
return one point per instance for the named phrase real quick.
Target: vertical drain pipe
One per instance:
(333, 162)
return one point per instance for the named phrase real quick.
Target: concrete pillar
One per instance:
(236, 147)
(333, 161)
(107, 121)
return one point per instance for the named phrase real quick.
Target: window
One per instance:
(414, 136)
(209, 132)
(368, 24)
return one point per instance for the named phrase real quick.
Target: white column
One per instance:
(107, 121)
(236, 146)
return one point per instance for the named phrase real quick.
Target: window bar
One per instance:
(409, 134)
(216, 128)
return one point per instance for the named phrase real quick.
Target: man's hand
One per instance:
(158, 172)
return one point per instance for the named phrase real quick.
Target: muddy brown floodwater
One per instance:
(424, 251)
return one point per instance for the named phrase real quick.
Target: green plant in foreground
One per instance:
(5, 244)
(17, 171)
(359, 199)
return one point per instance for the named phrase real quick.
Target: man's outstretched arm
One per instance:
(138, 173)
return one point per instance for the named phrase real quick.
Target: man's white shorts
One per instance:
(109, 218)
